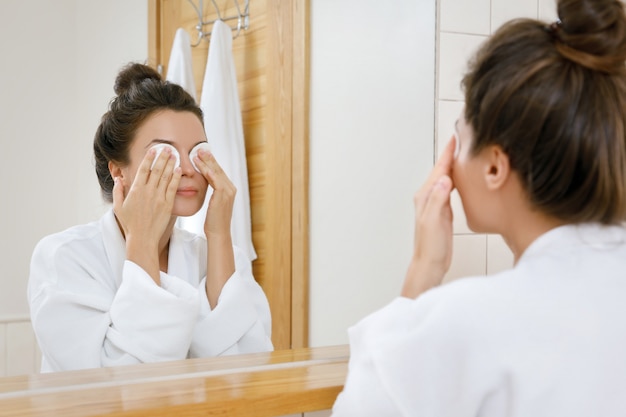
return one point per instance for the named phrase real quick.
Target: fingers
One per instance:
(161, 171)
(438, 201)
(443, 167)
(143, 173)
(172, 186)
(212, 171)
(118, 193)
(206, 163)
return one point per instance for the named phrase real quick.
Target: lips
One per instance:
(187, 191)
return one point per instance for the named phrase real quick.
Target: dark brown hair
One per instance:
(140, 93)
(553, 97)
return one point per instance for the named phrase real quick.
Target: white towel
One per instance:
(179, 68)
(222, 122)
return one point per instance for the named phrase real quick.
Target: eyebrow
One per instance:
(157, 140)
(169, 142)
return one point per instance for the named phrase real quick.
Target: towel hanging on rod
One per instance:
(242, 18)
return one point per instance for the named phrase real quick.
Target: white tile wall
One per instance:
(465, 16)
(503, 10)
(454, 51)
(468, 257)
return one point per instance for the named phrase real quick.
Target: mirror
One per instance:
(371, 142)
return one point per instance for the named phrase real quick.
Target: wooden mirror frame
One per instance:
(272, 63)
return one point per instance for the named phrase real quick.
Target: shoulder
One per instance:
(469, 302)
(465, 308)
(63, 256)
(73, 237)
(76, 238)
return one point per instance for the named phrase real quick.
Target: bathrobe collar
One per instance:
(588, 234)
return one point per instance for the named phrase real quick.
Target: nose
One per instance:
(186, 165)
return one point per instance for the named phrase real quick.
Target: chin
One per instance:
(186, 209)
(480, 227)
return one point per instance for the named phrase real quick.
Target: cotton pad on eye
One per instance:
(159, 148)
(194, 152)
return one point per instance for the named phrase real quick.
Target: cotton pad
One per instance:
(194, 152)
(159, 148)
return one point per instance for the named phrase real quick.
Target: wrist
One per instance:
(420, 277)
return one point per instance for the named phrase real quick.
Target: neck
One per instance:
(521, 223)
(527, 227)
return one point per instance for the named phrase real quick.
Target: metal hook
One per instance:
(217, 10)
(242, 19)
(200, 37)
(238, 27)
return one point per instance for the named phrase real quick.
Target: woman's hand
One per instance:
(220, 209)
(432, 252)
(220, 256)
(145, 211)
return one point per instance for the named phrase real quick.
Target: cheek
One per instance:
(461, 176)
(128, 176)
(457, 174)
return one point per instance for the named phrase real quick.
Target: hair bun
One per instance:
(593, 33)
(134, 74)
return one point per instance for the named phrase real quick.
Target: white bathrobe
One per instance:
(547, 338)
(179, 67)
(90, 307)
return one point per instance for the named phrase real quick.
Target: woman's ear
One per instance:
(115, 170)
(498, 167)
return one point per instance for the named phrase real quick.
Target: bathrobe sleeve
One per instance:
(240, 322)
(81, 321)
(414, 358)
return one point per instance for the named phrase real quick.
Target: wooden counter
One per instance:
(259, 385)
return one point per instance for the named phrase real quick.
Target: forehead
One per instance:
(463, 129)
(461, 123)
(180, 127)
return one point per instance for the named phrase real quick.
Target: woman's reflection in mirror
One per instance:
(132, 287)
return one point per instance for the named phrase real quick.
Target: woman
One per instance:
(542, 162)
(132, 287)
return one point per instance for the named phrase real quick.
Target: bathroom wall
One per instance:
(371, 144)
(59, 61)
